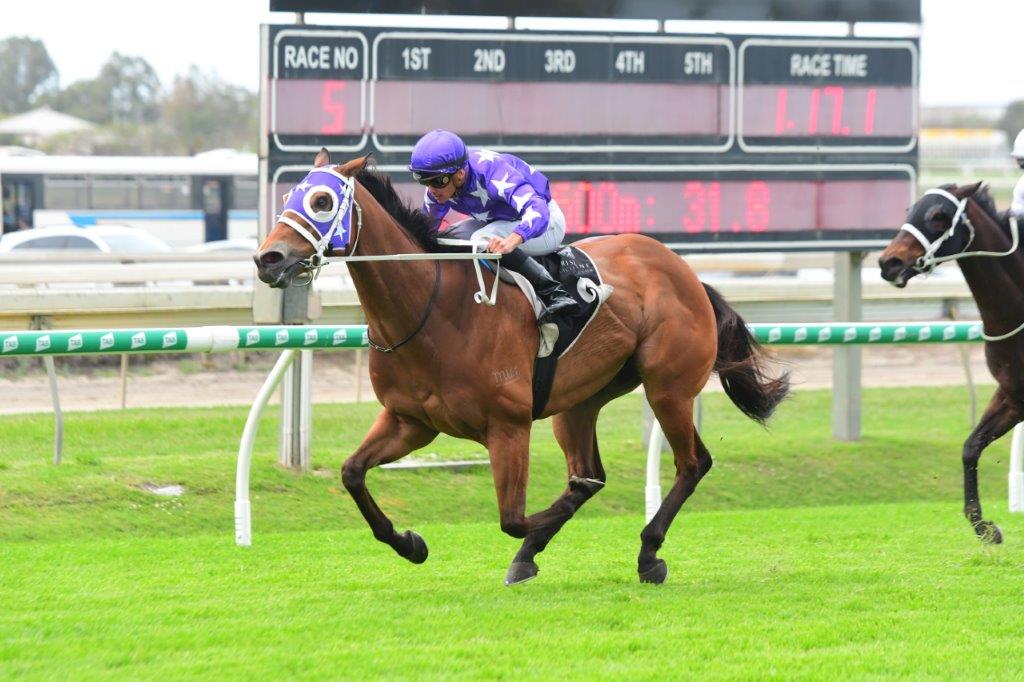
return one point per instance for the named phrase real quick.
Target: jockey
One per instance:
(1017, 206)
(510, 203)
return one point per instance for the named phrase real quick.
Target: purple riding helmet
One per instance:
(334, 226)
(439, 152)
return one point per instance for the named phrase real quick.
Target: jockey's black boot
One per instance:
(551, 292)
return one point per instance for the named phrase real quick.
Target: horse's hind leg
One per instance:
(390, 438)
(1001, 415)
(575, 431)
(692, 461)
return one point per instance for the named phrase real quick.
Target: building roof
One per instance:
(42, 122)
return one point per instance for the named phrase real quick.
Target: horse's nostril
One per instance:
(269, 258)
(890, 264)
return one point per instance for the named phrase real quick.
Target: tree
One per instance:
(203, 112)
(127, 90)
(26, 74)
(1012, 121)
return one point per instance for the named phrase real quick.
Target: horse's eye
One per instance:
(323, 203)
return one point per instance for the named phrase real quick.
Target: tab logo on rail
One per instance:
(948, 333)
(107, 341)
(138, 340)
(170, 339)
(281, 337)
(75, 342)
(849, 335)
(310, 337)
(900, 334)
(824, 335)
(875, 334)
(339, 338)
(43, 343)
(10, 343)
(974, 332)
(774, 334)
(924, 334)
(800, 335)
(252, 337)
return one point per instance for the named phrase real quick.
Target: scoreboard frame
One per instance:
(634, 166)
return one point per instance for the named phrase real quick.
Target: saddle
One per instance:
(581, 279)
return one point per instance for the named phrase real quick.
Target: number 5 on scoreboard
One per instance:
(334, 111)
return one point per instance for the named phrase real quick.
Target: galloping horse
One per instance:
(466, 369)
(961, 224)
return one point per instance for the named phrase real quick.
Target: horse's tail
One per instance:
(740, 364)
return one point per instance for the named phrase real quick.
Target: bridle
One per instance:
(342, 191)
(927, 262)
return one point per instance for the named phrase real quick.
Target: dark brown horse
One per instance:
(466, 369)
(961, 223)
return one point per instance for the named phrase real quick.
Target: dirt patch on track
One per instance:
(195, 381)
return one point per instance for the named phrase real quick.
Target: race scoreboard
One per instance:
(704, 142)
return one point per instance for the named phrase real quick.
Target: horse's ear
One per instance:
(322, 158)
(354, 166)
(970, 190)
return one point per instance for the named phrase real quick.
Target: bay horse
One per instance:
(466, 370)
(961, 224)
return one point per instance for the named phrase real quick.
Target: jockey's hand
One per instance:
(506, 245)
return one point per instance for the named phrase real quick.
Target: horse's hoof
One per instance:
(520, 572)
(656, 574)
(989, 533)
(417, 552)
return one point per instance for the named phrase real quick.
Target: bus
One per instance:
(184, 200)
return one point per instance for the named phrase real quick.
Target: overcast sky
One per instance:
(970, 52)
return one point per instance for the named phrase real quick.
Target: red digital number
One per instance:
(869, 112)
(608, 211)
(334, 111)
(836, 94)
(695, 216)
(758, 206)
(571, 198)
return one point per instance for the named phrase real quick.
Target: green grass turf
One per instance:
(797, 557)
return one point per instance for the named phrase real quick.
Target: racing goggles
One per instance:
(437, 181)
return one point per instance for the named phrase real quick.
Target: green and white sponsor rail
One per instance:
(292, 339)
(221, 339)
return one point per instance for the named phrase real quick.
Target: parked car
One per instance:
(248, 245)
(101, 238)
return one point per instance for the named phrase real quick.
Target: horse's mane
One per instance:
(984, 199)
(412, 220)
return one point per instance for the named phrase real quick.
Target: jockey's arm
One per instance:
(1017, 204)
(533, 211)
(435, 211)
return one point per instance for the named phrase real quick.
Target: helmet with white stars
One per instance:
(436, 153)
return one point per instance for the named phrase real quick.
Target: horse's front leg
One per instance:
(508, 448)
(391, 437)
(1001, 415)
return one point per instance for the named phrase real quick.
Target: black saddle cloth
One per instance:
(578, 274)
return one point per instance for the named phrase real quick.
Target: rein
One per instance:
(423, 322)
(928, 260)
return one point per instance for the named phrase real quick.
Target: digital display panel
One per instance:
(800, 95)
(523, 92)
(714, 206)
(690, 139)
(317, 90)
